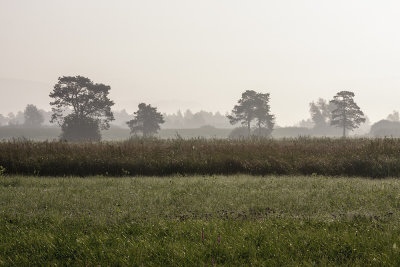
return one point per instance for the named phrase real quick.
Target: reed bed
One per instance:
(154, 157)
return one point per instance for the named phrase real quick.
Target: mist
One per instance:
(199, 133)
(182, 55)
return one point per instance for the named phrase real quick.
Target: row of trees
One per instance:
(177, 120)
(181, 120)
(340, 112)
(82, 108)
(189, 119)
(30, 117)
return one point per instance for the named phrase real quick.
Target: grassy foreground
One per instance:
(198, 221)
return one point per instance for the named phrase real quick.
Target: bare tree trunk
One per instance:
(248, 129)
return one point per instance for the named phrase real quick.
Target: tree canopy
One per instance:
(264, 118)
(32, 116)
(320, 112)
(347, 114)
(253, 106)
(146, 120)
(77, 100)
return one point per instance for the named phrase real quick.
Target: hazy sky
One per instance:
(204, 54)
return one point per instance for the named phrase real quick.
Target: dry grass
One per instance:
(302, 156)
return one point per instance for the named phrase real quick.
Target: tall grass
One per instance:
(301, 156)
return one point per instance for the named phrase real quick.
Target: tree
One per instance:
(33, 117)
(88, 104)
(15, 120)
(252, 106)
(3, 120)
(347, 114)
(321, 113)
(244, 112)
(264, 118)
(146, 120)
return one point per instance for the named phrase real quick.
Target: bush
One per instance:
(77, 129)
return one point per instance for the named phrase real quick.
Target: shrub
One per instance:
(77, 129)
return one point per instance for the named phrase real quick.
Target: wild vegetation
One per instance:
(198, 221)
(302, 156)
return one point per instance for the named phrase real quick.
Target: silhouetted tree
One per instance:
(321, 113)
(347, 114)
(33, 117)
(264, 118)
(89, 104)
(252, 106)
(146, 120)
(244, 112)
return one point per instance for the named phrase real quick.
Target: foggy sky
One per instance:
(204, 54)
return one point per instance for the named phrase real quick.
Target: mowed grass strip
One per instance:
(198, 220)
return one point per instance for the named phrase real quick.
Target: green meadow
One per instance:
(199, 220)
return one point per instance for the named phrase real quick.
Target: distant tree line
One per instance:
(341, 112)
(82, 109)
(181, 120)
(30, 117)
(189, 119)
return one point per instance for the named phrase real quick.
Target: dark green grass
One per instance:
(159, 221)
(152, 157)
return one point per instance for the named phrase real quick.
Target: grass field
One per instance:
(198, 221)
